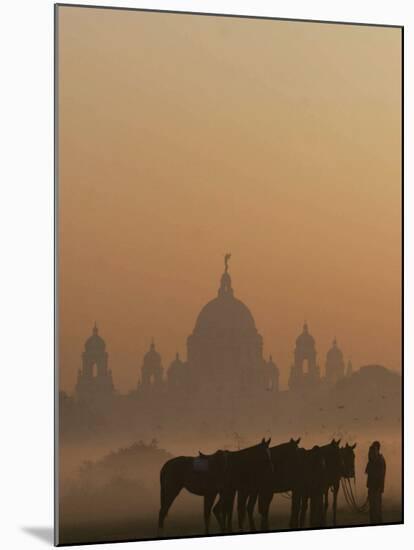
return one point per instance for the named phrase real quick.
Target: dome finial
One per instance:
(305, 326)
(152, 346)
(95, 328)
(225, 285)
(226, 262)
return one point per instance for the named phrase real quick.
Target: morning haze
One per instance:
(183, 137)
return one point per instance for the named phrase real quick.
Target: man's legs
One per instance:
(375, 506)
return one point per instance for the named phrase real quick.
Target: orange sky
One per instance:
(183, 137)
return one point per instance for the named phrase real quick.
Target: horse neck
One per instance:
(283, 452)
(333, 461)
(247, 456)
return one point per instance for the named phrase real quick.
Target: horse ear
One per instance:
(263, 440)
(338, 442)
(346, 446)
(268, 441)
(333, 441)
(353, 446)
(297, 441)
(291, 440)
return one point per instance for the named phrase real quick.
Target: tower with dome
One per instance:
(94, 382)
(335, 364)
(152, 369)
(304, 372)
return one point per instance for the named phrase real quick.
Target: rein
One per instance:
(350, 498)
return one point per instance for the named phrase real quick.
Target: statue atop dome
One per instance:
(226, 262)
(225, 284)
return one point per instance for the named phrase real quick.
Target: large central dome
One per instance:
(225, 314)
(225, 351)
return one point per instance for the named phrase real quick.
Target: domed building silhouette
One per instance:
(271, 371)
(94, 381)
(151, 370)
(225, 350)
(177, 375)
(335, 364)
(304, 354)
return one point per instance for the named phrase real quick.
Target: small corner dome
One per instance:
(95, 342)
(271, 364)
(305, 339)
(334, 352)
(152, 355)
(176, 365)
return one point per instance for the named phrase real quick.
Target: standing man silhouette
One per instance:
(375, 471)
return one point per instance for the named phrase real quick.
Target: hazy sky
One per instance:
(183, 137)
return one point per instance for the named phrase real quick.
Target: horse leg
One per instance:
(167, 498)
(241, 507)
(265, 498)
(295, 509)
(335, 503)
(251, 503)
(325, 507)
(208, 503)
(229, 511)
(218, 511)
(303, 510)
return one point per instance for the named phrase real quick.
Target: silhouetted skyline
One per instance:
(292, 164)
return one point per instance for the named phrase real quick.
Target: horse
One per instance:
(282, 457)
(249, 470)
(347, 471)
(330, 477)
(203, 475)
(310, 478)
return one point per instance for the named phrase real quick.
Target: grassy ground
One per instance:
(191, 525)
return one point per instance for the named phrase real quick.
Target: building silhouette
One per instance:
(94, 382)
(335, 365)
(304, 373)
(152, 369)
(225, 350)
(271, 375)
(177, 374)
(224, 368)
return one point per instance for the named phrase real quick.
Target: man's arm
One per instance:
(384, 468)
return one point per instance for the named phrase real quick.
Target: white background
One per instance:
(26, 268)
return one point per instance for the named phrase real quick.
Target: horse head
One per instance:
(348, 460)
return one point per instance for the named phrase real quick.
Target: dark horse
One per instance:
(203, 475)
(249, 470)
(339, 463)
(283, 456)
(310, 471)
(209, 475)
(347, 470)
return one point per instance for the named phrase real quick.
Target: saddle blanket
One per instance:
(200, 464)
